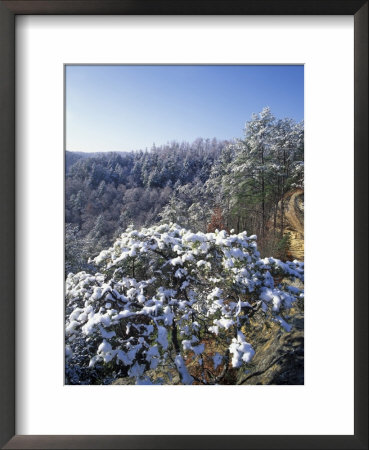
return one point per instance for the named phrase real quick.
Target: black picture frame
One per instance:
(8, 11)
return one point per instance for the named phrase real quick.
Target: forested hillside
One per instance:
(238, 184)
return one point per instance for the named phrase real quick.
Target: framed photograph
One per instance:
(173, 175)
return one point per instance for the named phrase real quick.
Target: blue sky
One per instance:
(122, 108)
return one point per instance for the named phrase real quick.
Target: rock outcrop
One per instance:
(293, 222)
(279, 355)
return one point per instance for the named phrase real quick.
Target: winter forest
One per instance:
(184, 262)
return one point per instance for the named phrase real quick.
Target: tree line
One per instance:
(208, 184)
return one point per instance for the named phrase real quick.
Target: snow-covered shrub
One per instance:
(162, 296)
